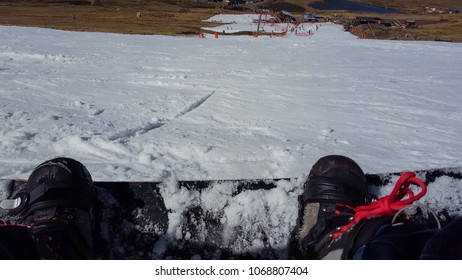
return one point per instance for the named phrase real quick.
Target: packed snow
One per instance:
(137, 107)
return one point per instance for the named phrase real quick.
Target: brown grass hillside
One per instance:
(184, 17)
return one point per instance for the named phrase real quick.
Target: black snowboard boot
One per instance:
(57, 205)
(335, 185)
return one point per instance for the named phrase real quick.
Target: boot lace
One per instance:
(387, 205)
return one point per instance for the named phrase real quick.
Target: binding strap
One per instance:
(65, 193)
(387, 205)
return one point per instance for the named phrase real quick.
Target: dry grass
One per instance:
(155, 17)
(184, 17)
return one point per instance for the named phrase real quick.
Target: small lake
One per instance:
(351, 6)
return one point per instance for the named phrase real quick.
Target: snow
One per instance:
(248, 221)
(249, 23)
(137, 107)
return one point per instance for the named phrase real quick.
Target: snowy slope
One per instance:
(150, 107)
(153, 107)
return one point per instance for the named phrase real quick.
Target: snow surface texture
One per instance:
(134, 107)
(254, 222)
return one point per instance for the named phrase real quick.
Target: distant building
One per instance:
(321, 19)
(452, 10)
(283, 16)
(387, 22)
(236, 2)
(309, 17)
(365, 20)
(432, 10)
(312, 17)
(409, 23)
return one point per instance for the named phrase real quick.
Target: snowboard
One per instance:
(217, 219)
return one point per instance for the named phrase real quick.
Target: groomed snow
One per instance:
(134, 107)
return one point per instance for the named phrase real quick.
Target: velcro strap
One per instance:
(43, 188)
